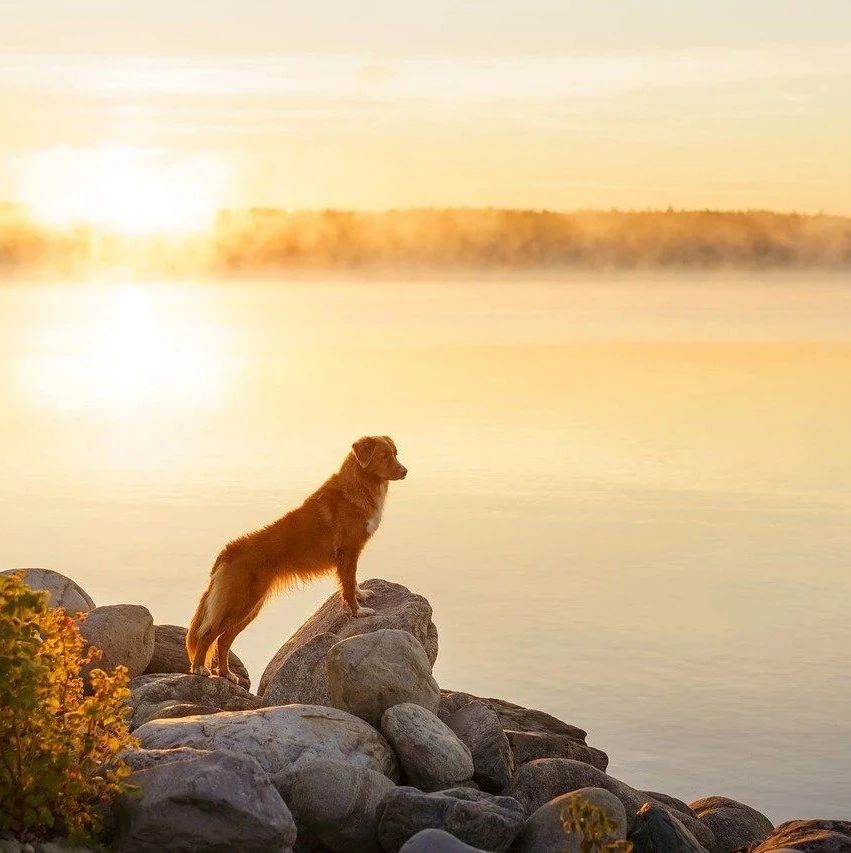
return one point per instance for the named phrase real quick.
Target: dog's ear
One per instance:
(363, 449)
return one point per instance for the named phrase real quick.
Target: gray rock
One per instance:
(395, 607)
(144, 759)
(512, 717)
(478, 726)
(657, 829)
(813, 836)
(125, 635)
(282, 740)
(436, 841)
(170, 654)
(63, 592)
(172, 695)
(337, 804)
(538, 782)
(732, 823)
(431, 755)
(545, 830)
(474, 817)
(529, 746)
(369, 673)
(672, 802)
(302, 676)
(213, 802)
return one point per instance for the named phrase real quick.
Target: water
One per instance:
(629, 497)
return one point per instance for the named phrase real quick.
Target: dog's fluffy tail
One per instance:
(206, 623)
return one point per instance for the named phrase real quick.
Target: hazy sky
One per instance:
(541, 103)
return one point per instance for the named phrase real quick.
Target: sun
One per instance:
(124, 189)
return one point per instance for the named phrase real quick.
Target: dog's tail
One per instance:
(206, 623)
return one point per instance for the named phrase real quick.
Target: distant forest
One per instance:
(264, 240)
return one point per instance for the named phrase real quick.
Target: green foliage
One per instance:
(54, 739)
(593, 826)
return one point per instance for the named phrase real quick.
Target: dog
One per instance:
(326, 533)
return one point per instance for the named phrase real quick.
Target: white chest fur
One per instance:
(375, 519)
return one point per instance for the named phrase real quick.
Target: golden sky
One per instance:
(187, 105)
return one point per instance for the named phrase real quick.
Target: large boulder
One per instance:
(474, 817)
(812, 836)
(369, 673)
(213, 801)
(144, 759)
(538, 782)
(125, 635)
(177, 695)
(337, 804)
(529, 746)
(512, 717)
(170, 654)
(548, 827)
(302, 676)
(431, 755)
(395, 607)
(62, 591)
(656, 829)
(282, 740)
(436, 841)
(478, 726)
(733, 824)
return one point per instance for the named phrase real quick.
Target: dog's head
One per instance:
(376, 454)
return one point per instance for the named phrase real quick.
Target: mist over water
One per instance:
(629, 498)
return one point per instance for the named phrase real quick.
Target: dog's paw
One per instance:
(200, 670)
(232, 677)
(361, 612)
(364, 594)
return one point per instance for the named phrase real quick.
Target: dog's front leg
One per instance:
(347, 568)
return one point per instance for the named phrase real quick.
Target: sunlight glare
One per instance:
(125, 189)
(124, 349)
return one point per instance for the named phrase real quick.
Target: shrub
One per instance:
(594, 827)
(54, 739)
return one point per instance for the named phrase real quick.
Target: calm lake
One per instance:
(629, 498)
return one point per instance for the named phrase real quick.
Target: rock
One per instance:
(395, 607)
(63, 592)
(436, 841)
(545, 829)
(672, 802)
(144, 759)
(125, 634)
(213, 802)
(539, 781)
(369, 673)
(282, 740)
(474, 817)
(528, 746)
(431, 755)
(477, 725)
(171, 695)
(813, 836)
(657, 829)
(170, 654)
(512, 717)
(302, 676)
(732, 823)
(337, 804)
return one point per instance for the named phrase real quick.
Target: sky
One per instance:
(196, 104)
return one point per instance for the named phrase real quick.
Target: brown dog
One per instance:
(328, 531)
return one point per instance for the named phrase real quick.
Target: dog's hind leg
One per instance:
(223, 644)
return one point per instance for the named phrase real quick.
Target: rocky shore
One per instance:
(349, 744)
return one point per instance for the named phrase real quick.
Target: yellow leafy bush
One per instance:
(593, 826)
(58, 770)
